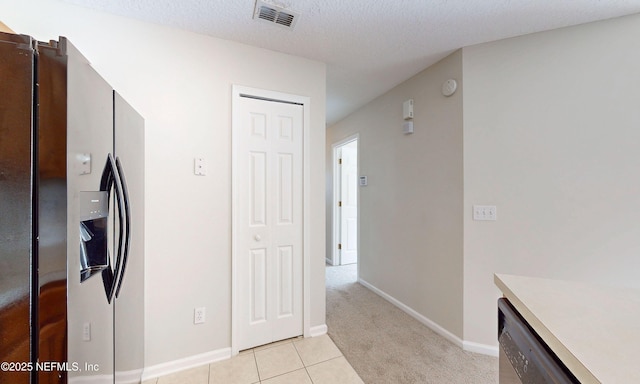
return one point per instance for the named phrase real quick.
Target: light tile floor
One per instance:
(314, 360)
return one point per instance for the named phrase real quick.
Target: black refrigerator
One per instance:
(71, 220)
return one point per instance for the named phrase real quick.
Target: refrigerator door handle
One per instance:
(127, 226)
(111, 179)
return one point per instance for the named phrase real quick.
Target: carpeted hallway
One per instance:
(387, 346)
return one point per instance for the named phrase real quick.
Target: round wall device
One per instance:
(449, 87)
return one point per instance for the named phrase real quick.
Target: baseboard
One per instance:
(485, 349)
(318, 330)
(466, 345)
(96, 379)
(129, 377)
(329, 261)
(169, 367)
(411, 312)
(124, 377)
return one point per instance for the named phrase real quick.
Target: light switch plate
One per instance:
(83, 163)
(485, 212)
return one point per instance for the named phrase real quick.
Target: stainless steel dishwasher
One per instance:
(524, 357)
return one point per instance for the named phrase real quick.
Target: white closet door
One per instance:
(269, 221)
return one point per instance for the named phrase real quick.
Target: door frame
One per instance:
(335, 255)
(238, 92)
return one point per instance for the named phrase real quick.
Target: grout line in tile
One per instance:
(303, 363)
(309, 375)
(298, 352)
(255, 359)
(255, 362)
(273, 345)
(286, 373)
(333, 358)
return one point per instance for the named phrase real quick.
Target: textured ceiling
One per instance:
(369, 46)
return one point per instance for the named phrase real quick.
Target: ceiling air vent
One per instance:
(276, 15)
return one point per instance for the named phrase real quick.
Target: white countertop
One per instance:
(594, 329)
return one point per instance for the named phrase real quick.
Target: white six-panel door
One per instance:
(269, 229)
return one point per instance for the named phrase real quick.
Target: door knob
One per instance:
(257, 238)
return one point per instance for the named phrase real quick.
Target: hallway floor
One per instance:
(314, 360)
(386, 345)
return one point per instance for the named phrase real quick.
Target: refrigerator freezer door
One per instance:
(90, 131)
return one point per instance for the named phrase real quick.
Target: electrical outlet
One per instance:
(86, 331)
(199, 315)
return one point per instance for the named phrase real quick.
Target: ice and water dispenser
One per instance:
(94, 212)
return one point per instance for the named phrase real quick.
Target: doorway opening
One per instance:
(345, 207)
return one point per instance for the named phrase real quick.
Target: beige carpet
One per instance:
(387, 346)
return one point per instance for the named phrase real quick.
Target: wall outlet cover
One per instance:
(199, 315)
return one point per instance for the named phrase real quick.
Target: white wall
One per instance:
(552, 138)
(181, 83)
(411, 212)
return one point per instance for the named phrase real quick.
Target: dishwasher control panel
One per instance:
(521, 348)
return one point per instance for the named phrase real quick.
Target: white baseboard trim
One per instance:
(465, 345)
(169, 367)
(484, 349)
(318, 330)
(96, 379)
(125, 377)
(329, 261)
(129, 377)
(411, 312)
